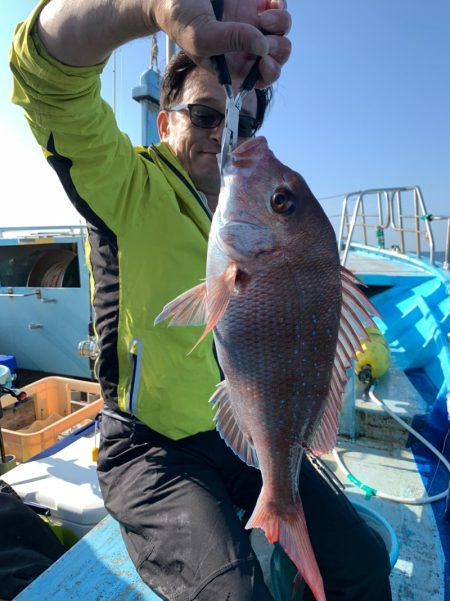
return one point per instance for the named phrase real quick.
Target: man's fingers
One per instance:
(243, 34)
(279, 48)
(245, 40)
(275, 21)
(222, 38)
(269, 70)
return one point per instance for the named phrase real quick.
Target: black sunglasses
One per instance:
(208, 118)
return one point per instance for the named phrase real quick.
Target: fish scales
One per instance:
(274, 300)
(274, 360)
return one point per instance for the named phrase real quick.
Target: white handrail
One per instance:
(390, 215)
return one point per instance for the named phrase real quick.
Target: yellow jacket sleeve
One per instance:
(100, 170)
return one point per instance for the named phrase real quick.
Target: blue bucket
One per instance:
(384, 529)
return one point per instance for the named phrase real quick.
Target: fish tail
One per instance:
(290, 530)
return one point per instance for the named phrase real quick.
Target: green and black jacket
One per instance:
(148, 233)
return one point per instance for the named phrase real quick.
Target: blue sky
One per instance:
(363, 102)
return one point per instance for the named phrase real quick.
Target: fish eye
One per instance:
(282, 201)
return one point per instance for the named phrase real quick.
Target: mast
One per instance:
(148, 92)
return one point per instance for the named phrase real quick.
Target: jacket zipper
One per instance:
(136, 360)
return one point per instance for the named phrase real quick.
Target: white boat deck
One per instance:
(418, 574)
(380, 460)
(361, 263)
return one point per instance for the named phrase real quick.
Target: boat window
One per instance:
(40, 265)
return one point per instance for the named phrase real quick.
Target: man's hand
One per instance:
(85, 32)
(193, 26)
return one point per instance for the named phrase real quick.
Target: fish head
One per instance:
(265, 208)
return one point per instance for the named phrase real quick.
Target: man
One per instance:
(165, 473)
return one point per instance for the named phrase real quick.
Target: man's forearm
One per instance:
(85, 32)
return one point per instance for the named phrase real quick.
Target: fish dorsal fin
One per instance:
(228, 426)
(356, 313)
(204, 304)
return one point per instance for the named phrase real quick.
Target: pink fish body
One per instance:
(287, 320)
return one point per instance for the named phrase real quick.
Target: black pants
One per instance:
(176, 503)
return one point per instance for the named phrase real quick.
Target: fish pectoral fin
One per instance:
(219, 289)
(203, 305)
(228, 426)
(356, 314)
(187, 309)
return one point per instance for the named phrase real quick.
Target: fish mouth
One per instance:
(247, 154)
(250, 146)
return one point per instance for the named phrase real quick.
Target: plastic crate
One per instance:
(75, 401)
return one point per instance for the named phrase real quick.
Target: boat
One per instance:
(388, 239)
(381, 459)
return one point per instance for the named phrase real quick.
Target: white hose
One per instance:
(372, 491)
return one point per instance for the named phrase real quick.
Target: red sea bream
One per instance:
(287, 320)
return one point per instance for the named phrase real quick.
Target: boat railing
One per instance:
(399, 214)
(34, 231)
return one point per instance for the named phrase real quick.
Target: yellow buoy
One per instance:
(374, 360)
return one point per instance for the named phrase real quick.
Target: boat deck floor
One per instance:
(376, 269)
(96, 568)
(381, 460)
(390, 467)
(418, 574)
(372, 264)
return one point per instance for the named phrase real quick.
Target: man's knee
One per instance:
(242, 582)
(360, 571)
(369, 571)
(378, 561)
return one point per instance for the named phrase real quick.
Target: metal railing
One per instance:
(380, 211)
(45, 230)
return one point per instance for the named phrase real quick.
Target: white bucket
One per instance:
(5, 376)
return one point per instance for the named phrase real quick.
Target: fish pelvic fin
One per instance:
(356, 316)
(290, 530)
(228, 426)
(203, 304)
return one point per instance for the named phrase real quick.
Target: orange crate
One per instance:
(57, 405)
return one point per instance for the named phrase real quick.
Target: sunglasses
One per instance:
(208, 118)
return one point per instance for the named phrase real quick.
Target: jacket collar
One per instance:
(178, 178)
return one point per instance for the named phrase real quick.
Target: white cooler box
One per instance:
(66, 483)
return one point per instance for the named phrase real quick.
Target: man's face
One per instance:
(196, 148)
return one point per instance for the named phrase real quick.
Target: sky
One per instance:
(364, 102)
